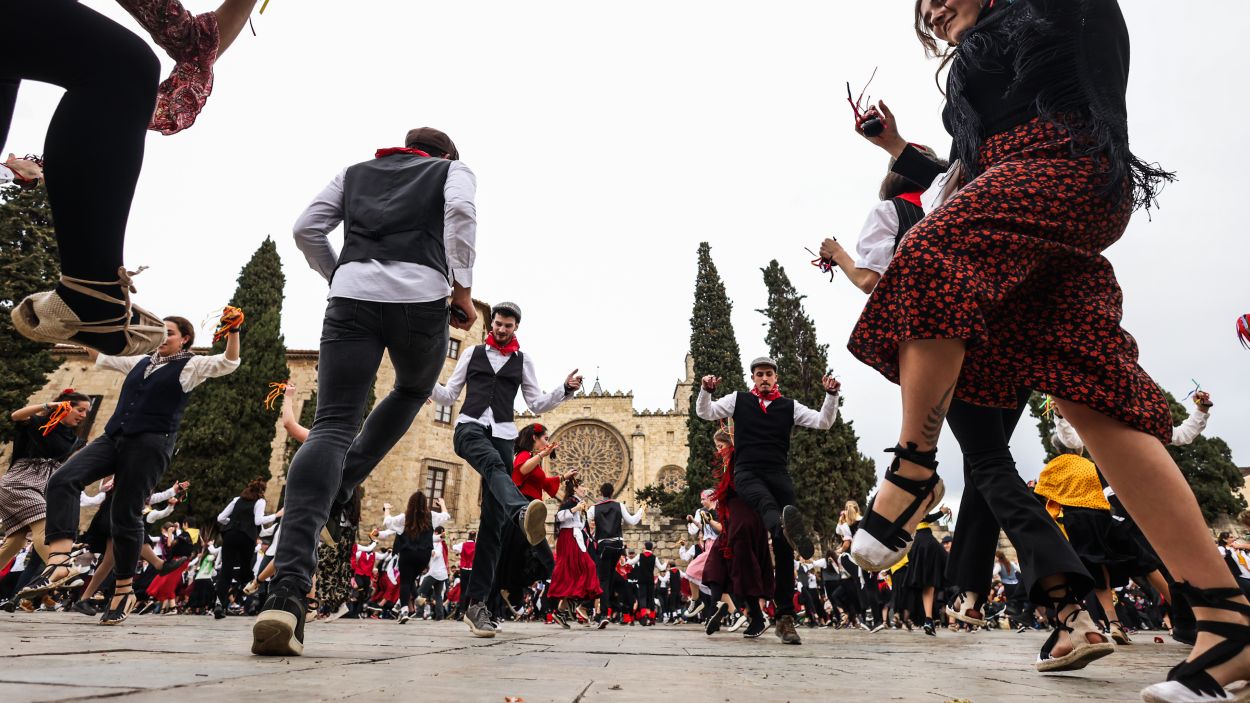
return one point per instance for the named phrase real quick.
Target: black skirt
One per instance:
(926, 563)
(1093, 538)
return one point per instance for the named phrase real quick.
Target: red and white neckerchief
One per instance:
(511, 346)
(770, 396)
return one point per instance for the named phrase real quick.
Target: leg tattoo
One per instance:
(932, 426)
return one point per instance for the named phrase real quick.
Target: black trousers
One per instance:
(609, 555)
(136, 463)
(432, 589)
(996, 497)
(466, 575)
(646, 593)
(767, 490)
(502, 500)
(237, 552)
(413, 559)
(339, 452)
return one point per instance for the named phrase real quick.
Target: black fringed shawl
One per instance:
(1066, 61)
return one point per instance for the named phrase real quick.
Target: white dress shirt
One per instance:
(1182, 434)
(258, 513)
(537, 401)
(393, 281)
(633, 519)
(198, 369)
(394, 524)
(876, 239)
(707, 409)
(438, 565)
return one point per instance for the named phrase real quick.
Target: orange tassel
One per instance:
(231, 319)
(275, 391)
(58, 414)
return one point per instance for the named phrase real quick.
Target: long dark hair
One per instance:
(72, 396)
(930, 42)
(255, 490)
(417, 515)
(527, 436)
(894, 184)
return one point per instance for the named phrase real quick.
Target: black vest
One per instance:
(151, 404)
(762, 439)
(646, 565)
(243, 518)
(393, 211)
(908, 215)
(487, 389)
(607, 520)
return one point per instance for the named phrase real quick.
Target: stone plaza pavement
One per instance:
(60, 656)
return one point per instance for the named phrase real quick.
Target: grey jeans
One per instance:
(339, 453)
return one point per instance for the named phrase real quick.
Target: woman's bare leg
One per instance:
(1146, 479)
(149, 555)
(102, 571)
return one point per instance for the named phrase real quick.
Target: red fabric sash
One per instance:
(913, 198)
(770, 396)
(511, 346)
(398, 150)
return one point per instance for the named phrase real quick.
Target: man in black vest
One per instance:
(409, 230)
(763, 420)
(607, 516)
(491, 375)
(135, 450)
(644, 570)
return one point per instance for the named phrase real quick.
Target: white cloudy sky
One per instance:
(609, 140)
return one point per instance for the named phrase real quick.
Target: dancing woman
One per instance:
(413, 530)
(1005, 287)
(136, 447)
(574, 577)
(95, 143)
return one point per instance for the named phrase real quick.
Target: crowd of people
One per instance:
(985, 281)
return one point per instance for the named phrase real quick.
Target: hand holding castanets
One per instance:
(711, 382)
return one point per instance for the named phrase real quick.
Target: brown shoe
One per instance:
(45, 317)
(786, 631)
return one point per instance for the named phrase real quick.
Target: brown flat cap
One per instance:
(429, 136)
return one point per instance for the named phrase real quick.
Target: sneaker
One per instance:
(695, 608)
(929, 628)
(794, 527)
(1022, 629)
(714, 622)
(279, 629)
(219, 613)
(477, 617)
(877, 629)
(9, 605)
(561, 618)
(602, 624)
(533, 521)
(82, 606)
(404, 616)
(786, 631)
(756, 628)
(497, 623)
(736, 621)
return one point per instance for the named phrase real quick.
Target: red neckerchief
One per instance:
(770, 396)
(913, 198)
(398, 150)
(511, 346)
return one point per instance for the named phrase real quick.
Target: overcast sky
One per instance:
(609, 140)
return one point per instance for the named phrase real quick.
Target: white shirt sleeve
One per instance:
(820, 563)
(806, 417)
(223, 517)
(460, 222)
(320, 218)
(631, 519)
(155, 516)
(447, 395)
(258, 513)
(387, 533)
(590, 514)
(457, 547)
(201, 368)
(1190, 429)
(85, 500)
(1066, 434)
(686, 553)
(844, 531)
(214, 550)
(719, 410)
(162, 496)
(692, 528)
(372, 546)
(537, 401)
(120, 364)
(438, 519)
(394, 523)
(633, 561)
(876, 238)
(267, 532)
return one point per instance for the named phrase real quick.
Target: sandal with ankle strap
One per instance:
(46, 317)
(47, 582)
(879, 543)
(118, 615)
(1118, 633)
(1089, 644)
(1189, 682)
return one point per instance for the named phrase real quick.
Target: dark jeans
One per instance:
(237, 552)
(995, 496)
(340, 453)
(609, 554)
(767, 491)
(501, 500)
(432, 589)
(136, 463)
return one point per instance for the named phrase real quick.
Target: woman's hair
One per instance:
(1223, 537)
(72, 396)
(525, 439)
(417, 515)
(570, 487)
(255, 490)
(185, 328)
(930, 42)
(1000, 556)
(894, 184)
(723, 437)
(852, 512)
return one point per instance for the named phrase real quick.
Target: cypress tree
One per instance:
(1045, 424)
(227, 433)
(29, 263)
(827, 467)
(715, 352)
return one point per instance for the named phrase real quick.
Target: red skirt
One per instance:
(165, 587)
(574, 576)
(389, 590)
(748, 570)
(1013, 265)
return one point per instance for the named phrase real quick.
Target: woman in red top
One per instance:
(527, 468)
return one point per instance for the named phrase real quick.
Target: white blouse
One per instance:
(575, 521)
(876, 238)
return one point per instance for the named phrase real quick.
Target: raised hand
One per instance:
(831, 384)
(711, 382)
(573, 382)
(889, 139)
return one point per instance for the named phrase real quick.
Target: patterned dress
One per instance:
(192, 42)
(35, 457)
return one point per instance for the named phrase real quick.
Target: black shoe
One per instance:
(714, 622)
(9, 605)
(561, 618)
(929, 628)
(337, 522)
(118, 615)
(786, 631)
(279, 629)
(219, 613)
(794, 527)
(602, 624)
(755, 628)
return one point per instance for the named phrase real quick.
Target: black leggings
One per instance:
(94, 144)
(237, 552)
(413, 559)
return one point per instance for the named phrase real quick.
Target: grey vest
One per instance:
(393, 211)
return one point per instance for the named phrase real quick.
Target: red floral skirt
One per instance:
(574, 575)
(1013, 265)
(165, 587)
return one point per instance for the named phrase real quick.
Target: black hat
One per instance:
(428, 136)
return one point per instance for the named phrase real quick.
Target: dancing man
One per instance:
(485, 432)
(408, 243)
(607, 516)
(763, 421)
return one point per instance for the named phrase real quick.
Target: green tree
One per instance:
(227, 433)
(827, 467)
(28, 264)
(714, 349)
(1045, 424)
